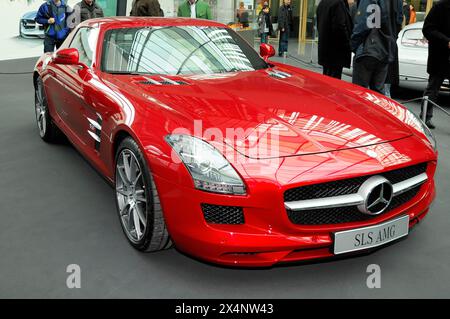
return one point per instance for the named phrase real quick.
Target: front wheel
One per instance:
(47, 129)
(137, 200)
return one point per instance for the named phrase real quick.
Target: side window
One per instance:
(414, 38)
(85, 42)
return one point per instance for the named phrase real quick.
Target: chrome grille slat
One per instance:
(352, 199)
(336, 202)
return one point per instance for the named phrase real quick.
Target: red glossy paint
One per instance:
(266, 51)
(67, 56)
(325, 129)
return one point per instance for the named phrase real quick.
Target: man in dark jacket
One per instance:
(335, 26)
(146, 8)
(88, 9)
(396, 22)
(284, 25)
(373, 43)
(437, 31)
(53, 16)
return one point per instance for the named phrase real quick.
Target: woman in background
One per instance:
(412, 15)
(242, 15)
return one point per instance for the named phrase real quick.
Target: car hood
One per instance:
(272, 113)
(30, 15)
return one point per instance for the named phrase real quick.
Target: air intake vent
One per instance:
(279, 74)
(162, 81)
(216, 214)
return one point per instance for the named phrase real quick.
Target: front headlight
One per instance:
(421, 127)
(209, 169)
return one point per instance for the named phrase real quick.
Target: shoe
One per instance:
(430, 125)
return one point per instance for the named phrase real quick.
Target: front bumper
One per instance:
(267, 237)
(31, 30)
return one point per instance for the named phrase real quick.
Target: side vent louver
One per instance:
(279, 74)
(162, 81)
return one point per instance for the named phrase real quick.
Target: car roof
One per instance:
(417, 25)
(129, 22)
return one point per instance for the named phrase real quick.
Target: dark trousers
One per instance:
(333, 71)
(370, 73)
(434, 86)
(51, 43)
(284, 41)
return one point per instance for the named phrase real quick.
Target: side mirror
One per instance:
(266, 51)
(69, 56)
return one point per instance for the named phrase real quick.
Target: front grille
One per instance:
(339, 215)
(342, 215)
(217, 214)
(350, 186)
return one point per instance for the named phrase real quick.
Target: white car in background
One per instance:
(413, 57)
(29, 28)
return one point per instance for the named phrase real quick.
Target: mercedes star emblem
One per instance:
(377, 193)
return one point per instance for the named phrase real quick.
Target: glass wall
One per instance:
(109, 7)
(212, 4)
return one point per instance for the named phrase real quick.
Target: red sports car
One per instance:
(233, 158)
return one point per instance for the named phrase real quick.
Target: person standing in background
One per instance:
(53, 16)
(88, 9)
(242, 15)
(265, 23)
(335, 27)
(437, 31)
(195, 9)
(395, 25)
(284, 26)
(372, 44)
(413, 15)
(146, 8)
(406, 12)
(353, 8)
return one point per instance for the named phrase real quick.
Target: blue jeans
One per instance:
(51, 43)
(284, 40)
(265, 37)
(370, 73)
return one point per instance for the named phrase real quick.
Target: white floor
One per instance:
(18, 48)
(13, 47)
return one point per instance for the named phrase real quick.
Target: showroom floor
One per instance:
(55, 210)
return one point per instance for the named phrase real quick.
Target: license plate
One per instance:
(369, 237)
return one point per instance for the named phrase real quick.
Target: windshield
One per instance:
(178, 50)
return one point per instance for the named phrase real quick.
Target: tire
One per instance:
(47, 129)
(137, 200)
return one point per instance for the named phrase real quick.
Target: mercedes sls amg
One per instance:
(233, 158)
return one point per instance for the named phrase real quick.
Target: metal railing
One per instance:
(425, 101)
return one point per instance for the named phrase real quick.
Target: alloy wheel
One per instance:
(131, 195)
(41, 109)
